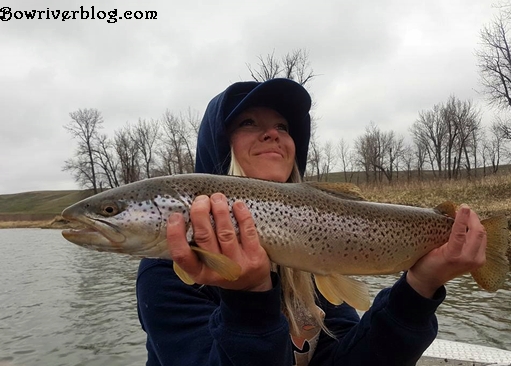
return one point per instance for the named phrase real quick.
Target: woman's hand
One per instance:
(464, 252)
(247, 252)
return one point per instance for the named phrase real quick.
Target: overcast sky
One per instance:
(376, 60)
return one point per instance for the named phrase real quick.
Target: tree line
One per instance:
(146, 149)
(447, 141)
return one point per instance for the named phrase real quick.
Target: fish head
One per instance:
(123, 220)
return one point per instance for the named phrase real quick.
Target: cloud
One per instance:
(375, 61)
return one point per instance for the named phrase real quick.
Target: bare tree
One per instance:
(84, 126)
(128, 154)
(408, 158)
(420, 152)
(269, 67)
(294, 65)
(177, 152)
(429, 134)
(107, 161)
(494, 145)
(503, 125)
(346, 159)
(394, 155)
(462, 123)
(494, 60)
(145, 134)
(330, 159)
(378, 153)
(448, 134)
(314, 155)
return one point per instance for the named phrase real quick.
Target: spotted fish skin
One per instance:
(299, 225)
(319, 228)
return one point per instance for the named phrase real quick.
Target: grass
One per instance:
(488, 196)
(42, 202)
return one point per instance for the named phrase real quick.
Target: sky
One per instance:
(378, 61)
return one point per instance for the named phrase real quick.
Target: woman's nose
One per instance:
(270, 134)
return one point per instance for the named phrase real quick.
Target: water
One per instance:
(64, 305)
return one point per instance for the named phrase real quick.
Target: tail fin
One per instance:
(492, 275)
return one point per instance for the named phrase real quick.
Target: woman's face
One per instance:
(262, 145)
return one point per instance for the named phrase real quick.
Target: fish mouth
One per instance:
(97, 233)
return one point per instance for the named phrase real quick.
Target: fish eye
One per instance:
(109, 209)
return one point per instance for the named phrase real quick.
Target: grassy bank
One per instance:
(487, 196)
(37, 209)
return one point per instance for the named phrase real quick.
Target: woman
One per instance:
(262, 130)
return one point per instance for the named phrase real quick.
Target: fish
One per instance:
(327, 229)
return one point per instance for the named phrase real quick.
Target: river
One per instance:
(64, 305)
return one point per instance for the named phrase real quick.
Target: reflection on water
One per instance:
(65, 305)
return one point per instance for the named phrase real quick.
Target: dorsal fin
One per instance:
(447, 208)
(341, 190)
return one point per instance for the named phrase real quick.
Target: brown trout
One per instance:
(323, 228)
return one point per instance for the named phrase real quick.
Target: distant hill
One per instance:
(40, 205)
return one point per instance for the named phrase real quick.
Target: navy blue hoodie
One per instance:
(205, 325)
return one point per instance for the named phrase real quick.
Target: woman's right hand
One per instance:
(247, 252)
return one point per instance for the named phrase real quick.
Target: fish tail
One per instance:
(493, 274)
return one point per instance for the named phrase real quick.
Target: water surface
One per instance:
(65, 305)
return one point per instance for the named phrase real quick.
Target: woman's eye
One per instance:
(282, 127)
(247, 122)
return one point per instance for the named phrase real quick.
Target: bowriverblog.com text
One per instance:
(84, 13)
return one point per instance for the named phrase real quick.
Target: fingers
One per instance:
(203, 232)
(475, 246)
(248, 233)
(220, 237)
(468, 237)
(179, 248)
(458, 232)
(225, 233)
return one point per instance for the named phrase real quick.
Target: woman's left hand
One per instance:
(464, 252)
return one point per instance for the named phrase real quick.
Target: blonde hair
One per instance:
(298, 292)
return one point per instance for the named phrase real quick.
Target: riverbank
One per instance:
(488, 196)
(20, 222)
(37, 209)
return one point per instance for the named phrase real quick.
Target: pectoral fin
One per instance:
(224, 266)
(338, 289)
(183, 275)
(221, 264)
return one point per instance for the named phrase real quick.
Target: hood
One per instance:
(286, 96)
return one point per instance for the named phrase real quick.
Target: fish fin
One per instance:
(338, 288)
(341, 190)
(185, 277)
(493, 274)
(447, 208)
(224, 266)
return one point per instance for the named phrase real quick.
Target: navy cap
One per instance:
(285, 96)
